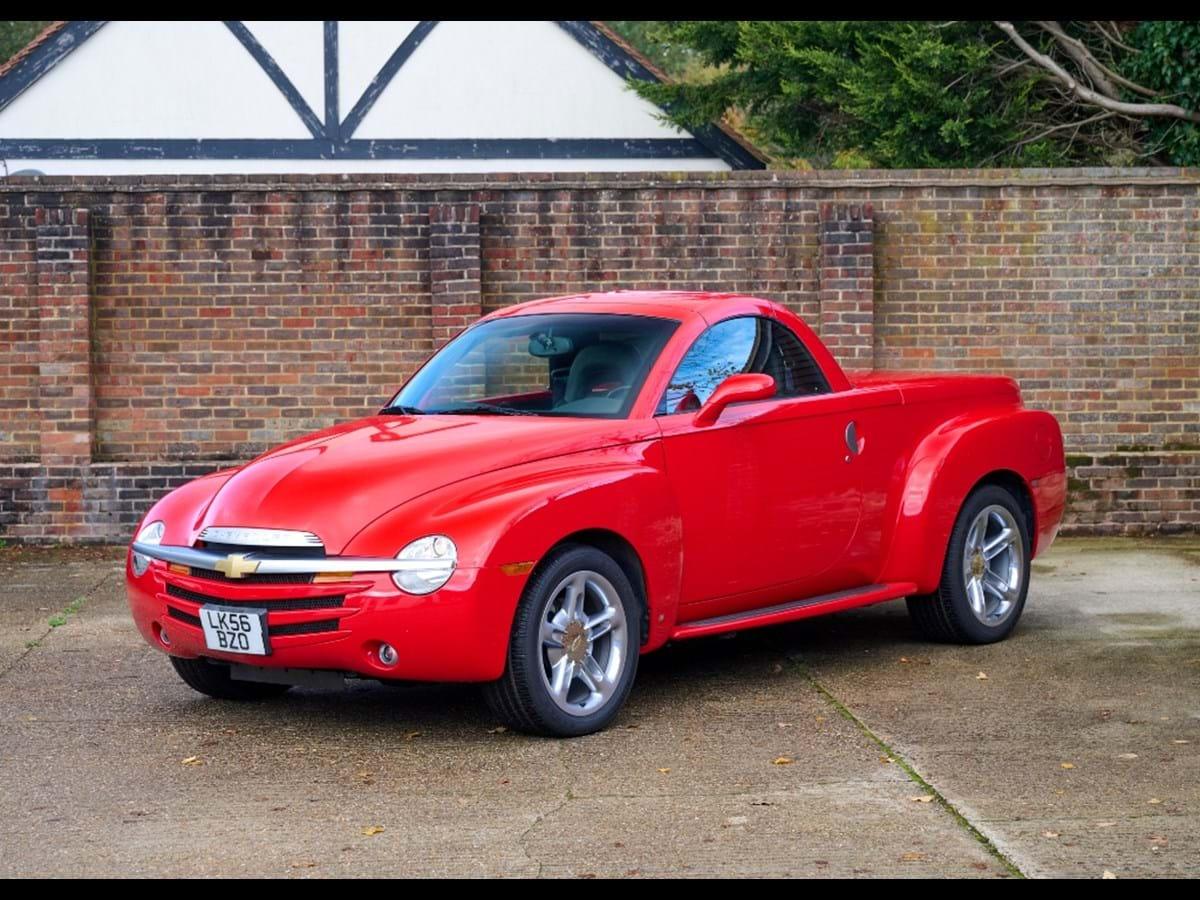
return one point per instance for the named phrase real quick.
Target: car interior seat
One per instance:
(606, 365)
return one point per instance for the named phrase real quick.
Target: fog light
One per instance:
(164, 637)
(387, 655)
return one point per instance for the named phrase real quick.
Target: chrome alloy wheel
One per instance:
(584, 642)
(993, 565)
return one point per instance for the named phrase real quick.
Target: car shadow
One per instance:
(666, 679)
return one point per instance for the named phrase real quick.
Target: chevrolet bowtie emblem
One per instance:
(235, 565)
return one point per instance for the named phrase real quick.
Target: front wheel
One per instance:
(985, 576)
(574, 647)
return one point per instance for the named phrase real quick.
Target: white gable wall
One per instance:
(363, 48)
(154, 80)
(299, 49)
(509, 80)
(163, 80)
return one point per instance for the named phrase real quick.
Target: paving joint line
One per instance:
(909, 769)
(33, 644)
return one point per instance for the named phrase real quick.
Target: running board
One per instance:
(793, 610)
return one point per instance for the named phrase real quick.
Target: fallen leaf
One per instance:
(787, 724)
(192, 761)
(1180, 742)
(1049, 834)
(905, 659)
(1127, 756)
(1108, 876)
(982, 867)
(982, 676)
(1105, 824)
(782, 761)
(630, 727)
(912, 856)
(411, 735)
(307, 864)
(777, 668)
(499, 729)
(1154, 801)
(665, 771)
(924, 798)
(372, 830)
(1067, 765)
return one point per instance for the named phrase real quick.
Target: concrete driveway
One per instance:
(839, 746)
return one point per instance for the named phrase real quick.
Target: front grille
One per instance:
(278, 552)
(282, 578)
(304, 627)
(182, 616)
(327, 602)
(273, 630)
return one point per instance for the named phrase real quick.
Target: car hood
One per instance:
(335, 482)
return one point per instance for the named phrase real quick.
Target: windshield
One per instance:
(567, 364)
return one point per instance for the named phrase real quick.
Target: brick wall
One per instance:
(152, 328)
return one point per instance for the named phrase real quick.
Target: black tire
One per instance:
(521, 698)
(213, 679)
(946, 615)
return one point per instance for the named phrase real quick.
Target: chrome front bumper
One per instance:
(238, 565)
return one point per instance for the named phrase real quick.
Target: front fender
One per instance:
(517, 515)
(948, 463)
(182, 510)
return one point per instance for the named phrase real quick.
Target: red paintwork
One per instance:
(761, 507)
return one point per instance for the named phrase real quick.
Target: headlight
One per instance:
(432, 560)
(151, 534)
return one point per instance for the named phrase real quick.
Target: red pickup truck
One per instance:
(576, 481)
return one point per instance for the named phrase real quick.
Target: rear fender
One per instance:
(947, 465)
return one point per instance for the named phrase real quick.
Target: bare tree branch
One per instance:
(1087, 95)
(1105, 78)
(1116, 38)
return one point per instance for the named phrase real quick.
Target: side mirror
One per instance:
(734, 389)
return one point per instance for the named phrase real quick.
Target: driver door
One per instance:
(767, 500)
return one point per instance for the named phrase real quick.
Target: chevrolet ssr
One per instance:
(573, 482)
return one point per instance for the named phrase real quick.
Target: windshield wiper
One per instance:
(401, 411)
(472, 409)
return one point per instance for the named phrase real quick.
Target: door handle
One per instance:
(851, 441)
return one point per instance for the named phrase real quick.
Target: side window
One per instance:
(795, 372)
(745, 344)
(725, 349)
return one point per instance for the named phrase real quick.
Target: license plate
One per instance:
(235, 630)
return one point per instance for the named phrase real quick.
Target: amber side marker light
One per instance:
(326, 577)
(516, 568)
(178, 569)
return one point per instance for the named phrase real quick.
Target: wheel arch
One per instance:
(1001, 446)
(1020, 489)
(622, 551)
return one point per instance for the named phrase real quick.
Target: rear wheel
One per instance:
(573, 652)
(213, 679)
(985, 577)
